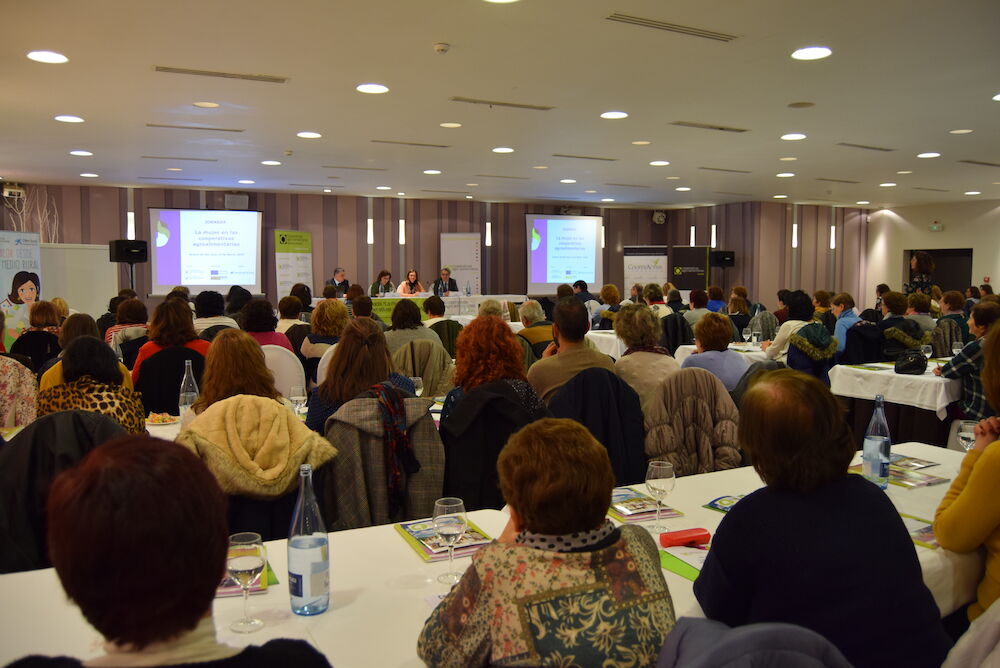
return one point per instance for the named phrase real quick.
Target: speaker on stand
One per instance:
(722, 259)
(130, 252)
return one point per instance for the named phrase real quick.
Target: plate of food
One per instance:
(162, 418)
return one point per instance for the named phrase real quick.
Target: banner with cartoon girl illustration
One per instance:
(20, 280)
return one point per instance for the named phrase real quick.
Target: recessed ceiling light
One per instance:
(432, 172)
(659, 163)
(641, 142)
(206, 105)
(607, 199)
(811, 53)
(889, 184)
(779, 196)
(270, 163)
(963, 131)
(89, 175)
(785, 175)
(372, 88)
(905, 171)
(787, 159)
(400, 194)
(64, 118)
(80, 152)
(246, 182)
(540, 167)
(174, 169)
(308, 134)
(501, 2)
(567, 180)
(793, 136)
(383, 188)
(468, 197)
(590, 192)
(50, 57)
(929, 154)
(972, 192)
(451, 125)
(862, 201)
(327, 190)
(682, 189)
(472, 185)
(614, 115)
(673, 178)
(997, 97)
(503, 149)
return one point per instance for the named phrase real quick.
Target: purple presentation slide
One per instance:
(168, 248)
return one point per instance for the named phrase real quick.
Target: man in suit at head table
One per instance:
(339, 281)
(444, 286)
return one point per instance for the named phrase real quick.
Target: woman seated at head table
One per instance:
(412, 285)
(967, 365)
(118, 548)
(562, 585)
(712, 335)
(234, 365)
(969, 517)
(382, 284)
(92, 381)
(360, 360)
(77, 325)
(818, 546)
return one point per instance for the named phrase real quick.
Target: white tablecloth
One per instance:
(167, 432)
(464, 320)
(927, 391)
(752, 353)
(608, 343)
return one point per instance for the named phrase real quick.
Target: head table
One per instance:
(381, 592)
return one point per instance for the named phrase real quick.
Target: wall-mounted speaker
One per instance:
(128, 250)
(722, 258)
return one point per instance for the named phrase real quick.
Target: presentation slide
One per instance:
(563, 249)
(205, 249)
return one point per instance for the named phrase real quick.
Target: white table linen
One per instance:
(607, 342)
(926, 391)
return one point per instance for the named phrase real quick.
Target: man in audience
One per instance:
(209, 307)
(674, 301)
(108, 319)
(569, 353)
(699, 300)
(434, 308)
(893, 309)
(565, 290)
(128, 293)
(985, 289)
(842, 306)
(712, 335)
(445, 285)
(953, 308)
(918, 310)
(339, 280)
(782, 311)
(537, 330)
(821, 310)
(329, 291)
(652, 294)
(581, 292)
(363, 309)
(289, 310)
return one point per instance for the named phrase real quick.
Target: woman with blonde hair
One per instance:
(61, 307)
(328, 321)
(604, 315)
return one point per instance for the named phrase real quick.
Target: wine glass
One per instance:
(927, 351)
(450, 523)
(966, 434)
(418, 385)
(746, 334)
(956, 347)
(245, 563)
(297, 395)
(659, 482)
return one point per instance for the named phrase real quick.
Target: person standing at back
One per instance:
(569, 353)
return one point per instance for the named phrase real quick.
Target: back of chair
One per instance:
(39, 346)
(675, 331)
(905, 334)
(447, 331)
(285, 366)
(800, 361)
(429, 361)
(130, 350)
(741, 387)
(766, 323)
(209, 333)
(944, 335)
(296, 334)
(864, 344)
(160, 378)
(872, 315)
(324, 364)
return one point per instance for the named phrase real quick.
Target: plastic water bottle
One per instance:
(189, 390)
(877, 447)
(468, 289)
(308, 552)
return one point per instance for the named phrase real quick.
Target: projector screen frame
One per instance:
(534, 287)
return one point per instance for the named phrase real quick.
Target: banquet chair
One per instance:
(675, 332)
(428, 360)
(944, 334)
(447, 331)
(28, 464)
(872, 315)
(209, 333)
(130, 350)
(39, 346)
(160, 378)
(286, 367)
(864, 344)
(296, 334)
(324, 364)
(904, 335)
(691, 421)
(766, 323)
(358, 474)
(610, 409)
(741, 387)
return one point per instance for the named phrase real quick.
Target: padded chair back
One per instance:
(39, 346)
(766, 323)
(944, 335)
(428, 360)
(272, 518)
(447, 331)
(872, 315)
(904, 334)
(130, 350)
(675, 332)
(209, 333)
(160, 378)
(324, 364)
(741, 387)
(864, 344)
(296, 334)
(286, 367)
(800, 361)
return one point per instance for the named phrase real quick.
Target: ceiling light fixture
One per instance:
(659, 163)
(963, 131)
(996, 98)
(887, 185)
(862, 201)
(929, 154)
(327, 190)
(793, 136)
(540, 167)
(270, 163)
(89, 175)
(450, 126)
(614, 115)
(308, 134)
(206, 105)
(432, 172)
(673, 178)
(65, 118)
(501, 2)
(50, 57)
(590, 192)
(682, 189)
(567, 180)
(503, 149)
(972, 192)
(468, 197)
(382, 188)
(641, 142)
(80, 152)
(785, 175)
(905, 171)
(788, 159)
(371, 88)
(812, 53)
(471, 185)
(246, 182)
(400, 194)
(174, 169)
(779, 196)
(607, 199)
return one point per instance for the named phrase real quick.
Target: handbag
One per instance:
(911, 362)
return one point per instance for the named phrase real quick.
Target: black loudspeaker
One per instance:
(127, 250)
(722, 259)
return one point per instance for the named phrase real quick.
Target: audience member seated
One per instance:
(635, 293)
(972, 297)
(937, 296)
(794, 431)
(326, 325)
(800, 313)
(644, 365)
(711, 351)
(429, 362)
(434, 308)
(652, 294)
(842, 306)
(821, 310)
(537, 330)
(382, 285)
(77, 325)
(752, 308)
(17, 398)
(363, 309)
(880, 290)
(698, 299)
(406, 327)
(101, 514)
(582, 293)
(491, 307)
(236, 299)
(131, 320)
(967, 520)
(289, 310)
(259, 322)
(557, 481)
(918, 310)
(781, 313)
(953, 308)
(93, 382)
(170, 327)
(674, 301)
(412, 285)
(40, 341)
(716, 300)
(209, 309)
(766, 324)
(899, 333)
(62, 308)
(108, 319)
(569, 353)
(967, 365)
(739, 314)
(305, 297)
(893, 308)
(604, 315)
(329, 291)
(812, 350)
(360, 360)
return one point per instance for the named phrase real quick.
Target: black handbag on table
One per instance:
(911, 362)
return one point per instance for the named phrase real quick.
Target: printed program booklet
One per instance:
(905, 477)
(423, 538)
(724, 503)
(629, 505)
(920, 530)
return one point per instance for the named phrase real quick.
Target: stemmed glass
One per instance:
(659, 482)
(297, 395)
(956, 347)
(967, 434)
(927, 351)
(245, 563)
(418, 385)
(450, 523)
(746, 335)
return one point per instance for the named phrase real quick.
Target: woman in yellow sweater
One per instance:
(969, 516)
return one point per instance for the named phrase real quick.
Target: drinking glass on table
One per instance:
(297, 395)
(956, 347)
(418, 385)
(450, 524)
(927, 352)
(746, 334)
(755, 337)
(245, 562)
(967, 434)
(659, 482)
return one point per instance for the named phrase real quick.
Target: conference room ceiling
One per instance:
(903, 74)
